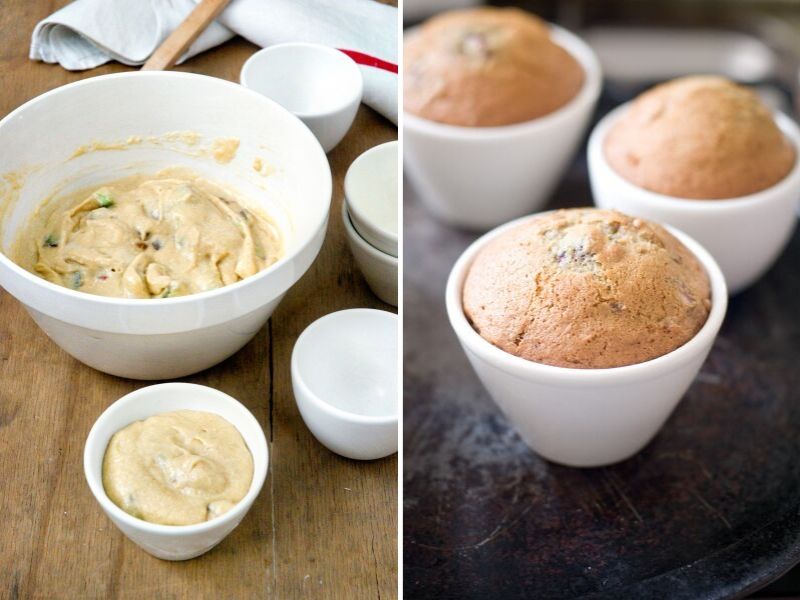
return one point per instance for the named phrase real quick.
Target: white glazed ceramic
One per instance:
(745, 235)
(174, 542)
(378, 268)
(479, 177)
(320, 85)
(162, 338)
(585, 417)
(370, 189)
(345, 377)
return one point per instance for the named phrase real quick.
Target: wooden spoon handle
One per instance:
(172, 48)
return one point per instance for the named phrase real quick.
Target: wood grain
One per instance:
(323, 527)
(178, 42)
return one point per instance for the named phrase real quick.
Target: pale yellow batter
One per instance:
(155, 236)
(177, 468)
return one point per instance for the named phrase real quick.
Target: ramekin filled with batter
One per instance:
(176, 467)
(586, 326)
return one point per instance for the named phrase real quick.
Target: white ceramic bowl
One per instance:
(320, 85)
(174, 542)
(378, 268)
(162, 338)
(370, 189)
(745, 235)
(585, 417)
(345, 376)
(479, 177)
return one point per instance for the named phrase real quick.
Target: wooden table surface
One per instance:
(322, 527)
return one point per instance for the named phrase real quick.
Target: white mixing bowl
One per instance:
(172, 337)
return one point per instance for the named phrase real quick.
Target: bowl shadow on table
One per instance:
(711, 502)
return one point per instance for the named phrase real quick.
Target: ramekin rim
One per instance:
(326, 407)
(597, 158)
(352, 233)
(568, 376)
(578, 48)
(238, 511)
(114, 301)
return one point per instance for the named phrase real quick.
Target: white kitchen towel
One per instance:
(88, 33)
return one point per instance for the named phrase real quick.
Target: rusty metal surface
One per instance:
(710, 509)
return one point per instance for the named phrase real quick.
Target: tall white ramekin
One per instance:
(479, 177)
(585, 417)
(745, 235)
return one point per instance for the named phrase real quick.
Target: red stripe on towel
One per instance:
(370, 61)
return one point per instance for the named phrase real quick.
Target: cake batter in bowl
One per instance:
(159, 236)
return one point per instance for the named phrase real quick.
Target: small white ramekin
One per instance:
(745, 235)
(174, 542)
(345, 357)
(585, 417)
(479, 177)
(370, 190)
(378, 268)
(318, 84)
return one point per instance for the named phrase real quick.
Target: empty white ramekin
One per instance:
(585, 417)
(479, 177)
(345, 378)
(745, 235)
(169, 337)
(174, 542)
(320, 85)
(379, 268)
(370, 190)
